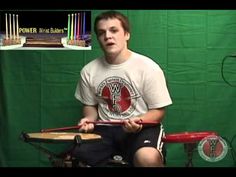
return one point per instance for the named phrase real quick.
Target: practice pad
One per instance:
(186, 137)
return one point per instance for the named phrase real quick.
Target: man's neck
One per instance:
(118, 58)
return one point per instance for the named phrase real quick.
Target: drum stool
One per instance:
(63, 159)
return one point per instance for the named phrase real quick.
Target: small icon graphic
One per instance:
(212, 148)
(147, 142)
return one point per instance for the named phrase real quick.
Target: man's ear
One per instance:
(127, 35)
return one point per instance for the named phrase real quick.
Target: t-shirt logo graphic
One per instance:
(119, 97)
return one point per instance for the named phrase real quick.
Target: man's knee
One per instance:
(148, 157)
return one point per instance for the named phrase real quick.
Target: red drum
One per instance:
(187, 137)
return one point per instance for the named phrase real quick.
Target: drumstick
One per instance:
(98, 122)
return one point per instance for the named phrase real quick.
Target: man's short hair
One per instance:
(111, 15)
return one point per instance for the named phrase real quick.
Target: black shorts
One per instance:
(115, 140)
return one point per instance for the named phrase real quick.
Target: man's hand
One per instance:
(85, 126)
(132, 125)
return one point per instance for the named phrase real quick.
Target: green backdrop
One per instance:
(37, 87)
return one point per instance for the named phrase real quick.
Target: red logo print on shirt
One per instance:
(119, 97)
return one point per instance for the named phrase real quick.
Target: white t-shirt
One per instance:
(125, 90)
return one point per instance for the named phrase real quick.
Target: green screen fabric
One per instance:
(37, 87)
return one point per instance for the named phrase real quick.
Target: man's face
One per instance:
(111, 36)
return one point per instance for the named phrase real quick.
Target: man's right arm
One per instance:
(90, 114)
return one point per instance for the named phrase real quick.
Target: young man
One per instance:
(123, 86)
